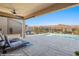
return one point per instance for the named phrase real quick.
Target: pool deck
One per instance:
(45, 45)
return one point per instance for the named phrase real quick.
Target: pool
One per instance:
(65, 36)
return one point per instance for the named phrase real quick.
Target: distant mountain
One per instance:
(59, 26)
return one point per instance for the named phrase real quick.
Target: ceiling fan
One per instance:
(15, 14)
(13, 11)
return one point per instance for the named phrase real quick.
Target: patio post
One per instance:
(23, 29)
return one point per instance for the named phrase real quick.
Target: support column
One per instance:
(23, 29)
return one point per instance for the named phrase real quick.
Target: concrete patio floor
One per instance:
(44, 45)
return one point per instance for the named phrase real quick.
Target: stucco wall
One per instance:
(3, 24)
(15, 25)
(7, 23)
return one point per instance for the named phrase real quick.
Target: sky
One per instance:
(68, 17)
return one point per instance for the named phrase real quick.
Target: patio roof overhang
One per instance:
(29, 10)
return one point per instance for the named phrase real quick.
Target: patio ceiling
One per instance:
(29, 10)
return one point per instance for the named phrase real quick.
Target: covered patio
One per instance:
(26, 11)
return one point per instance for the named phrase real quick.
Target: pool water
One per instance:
(65, 36)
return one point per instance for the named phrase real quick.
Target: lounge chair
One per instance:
(6, 44)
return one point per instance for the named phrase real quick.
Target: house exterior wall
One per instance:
(15, 25)
(3, 25)
(8, 24)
